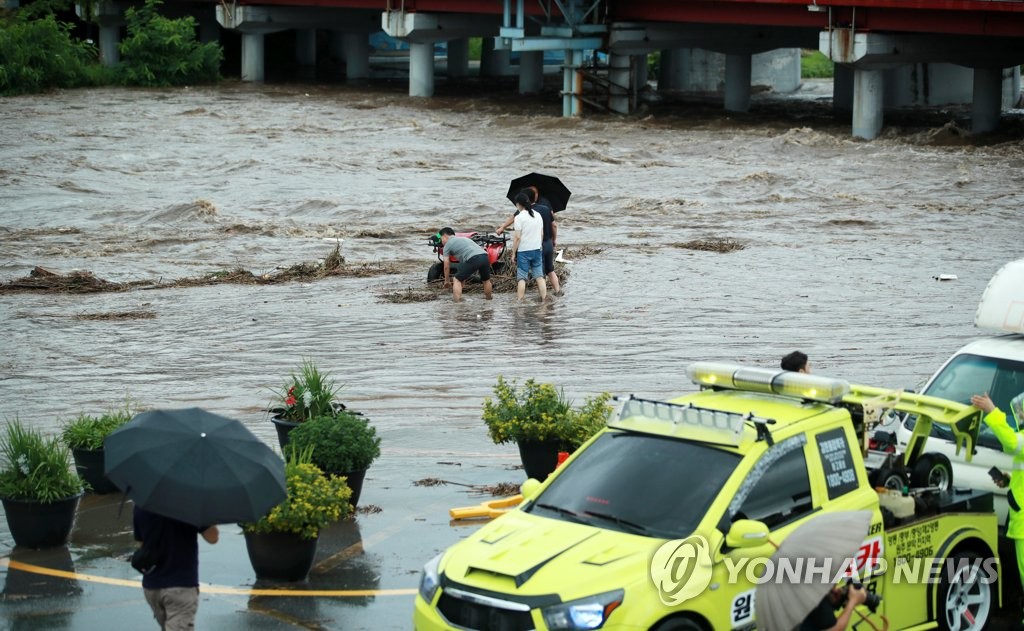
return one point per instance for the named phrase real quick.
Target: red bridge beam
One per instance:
(954, 17)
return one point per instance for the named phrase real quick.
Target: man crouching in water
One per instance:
(472, 259)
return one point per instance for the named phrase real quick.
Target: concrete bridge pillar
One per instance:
(988, 99)
(494, 62)
(356, 53)
(671, 72)
(868, 93)
(253, 45)
(1011, 87)
(737, 82)
(421, 69)
(531, 72)
(572, 84)
(842, 89)
(458, 58)
(619, 77)
(109, 16)
(640, 74)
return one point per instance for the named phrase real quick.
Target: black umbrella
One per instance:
(195, 466)
(548, 186)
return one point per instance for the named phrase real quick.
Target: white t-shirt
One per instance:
(530, 229)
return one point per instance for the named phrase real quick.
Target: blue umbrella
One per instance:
(194, 466)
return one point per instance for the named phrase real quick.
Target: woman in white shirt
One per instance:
(526, 246)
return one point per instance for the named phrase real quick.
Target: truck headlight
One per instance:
(586, 613)
(429, 580)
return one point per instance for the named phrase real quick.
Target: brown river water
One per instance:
(836, 246)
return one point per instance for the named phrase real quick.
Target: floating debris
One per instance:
(711, 245)
(430, 482)
(118, 315)
(369, 509)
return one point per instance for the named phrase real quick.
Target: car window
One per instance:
(968, 374)
(777, 490)
(639, 483)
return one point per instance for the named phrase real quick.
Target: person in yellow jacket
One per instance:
(1011, 437)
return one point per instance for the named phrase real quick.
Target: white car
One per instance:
(994, 365)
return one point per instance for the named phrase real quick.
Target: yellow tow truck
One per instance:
(667, 518)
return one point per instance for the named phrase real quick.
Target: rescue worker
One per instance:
(1011, 438)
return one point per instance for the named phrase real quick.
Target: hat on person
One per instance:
(1017, 407)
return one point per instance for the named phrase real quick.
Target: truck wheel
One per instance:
(679, 624)
(435, 272)
(932, 470)
(965, 598)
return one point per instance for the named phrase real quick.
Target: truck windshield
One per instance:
(638, 483)
(965, 375)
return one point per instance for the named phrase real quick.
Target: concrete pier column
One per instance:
(357, 56)
(619, 77)
(458, 58)
(572, 84)
(988, 99)
(867, 103)
(252, 56)
(640, 74)
(421, 69)
(305, 46)
(737, 82)
(487, 57)
(110, 37)
(531, 72)
(671, 71)
(842, 89)
(209, 29)
(1011, 87)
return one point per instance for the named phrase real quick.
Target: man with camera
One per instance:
(823, 617)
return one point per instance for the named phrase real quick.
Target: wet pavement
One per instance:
(365, 574)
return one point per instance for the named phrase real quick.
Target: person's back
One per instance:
(530, 226)
(462, 248)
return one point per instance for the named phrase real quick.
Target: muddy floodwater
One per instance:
(690, 235)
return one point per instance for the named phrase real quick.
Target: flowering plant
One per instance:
(306, 395)
(539, 412)
(314, 501)
(35, 467)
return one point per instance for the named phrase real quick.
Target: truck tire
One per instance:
(932, 470)
(965, 596)
(679, 624)
(435, 272)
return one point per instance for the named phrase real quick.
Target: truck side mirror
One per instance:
(746, 533)
(529, 489)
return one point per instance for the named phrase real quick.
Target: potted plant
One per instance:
(305, 395)
(344, 444)
(282, 544)
(39, 489)
(541, 421)
(84, 436)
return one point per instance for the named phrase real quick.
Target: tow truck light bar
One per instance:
(768, 381)
(726, 427)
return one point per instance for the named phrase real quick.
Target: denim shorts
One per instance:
(529, 262)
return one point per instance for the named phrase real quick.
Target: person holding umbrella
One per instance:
(186, 471)
(172, 587)
(526, 246)
(542, 206)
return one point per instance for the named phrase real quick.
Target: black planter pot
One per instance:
(89, 463)
(539, 457)
(280, 556)
(355, 482)
(41, 525)
(283, 427)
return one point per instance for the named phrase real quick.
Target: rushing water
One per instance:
(842, 241)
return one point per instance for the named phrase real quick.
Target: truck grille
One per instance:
(471, 615)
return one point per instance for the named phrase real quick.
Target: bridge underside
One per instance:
(876, 45)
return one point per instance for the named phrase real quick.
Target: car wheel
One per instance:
(679, 624)
(932, 470)
(435, 272)
(888, 478)
(965, 598)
